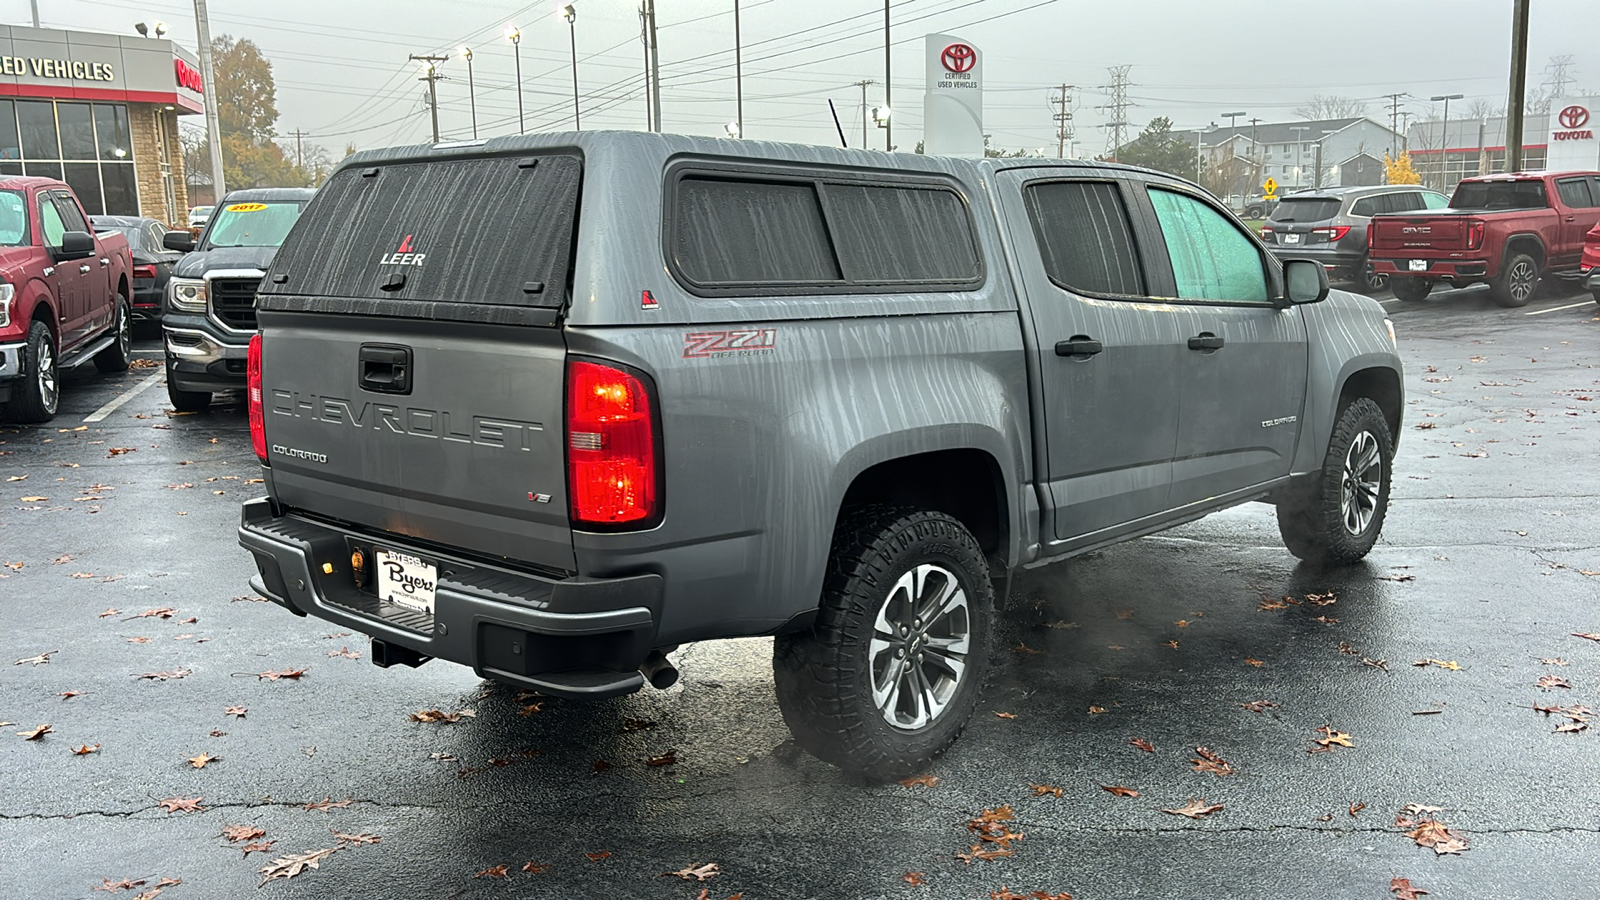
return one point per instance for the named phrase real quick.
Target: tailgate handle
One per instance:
(1205, 340)
(385, 368)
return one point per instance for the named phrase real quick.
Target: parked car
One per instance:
(1329, 225)
(199, 216)
(1256, 207)
(833, 396)
(1511, 231)
(1589, 264)
(152, 261)
(63, 295)
(210, 309)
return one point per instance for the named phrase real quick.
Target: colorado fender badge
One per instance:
(647, 300)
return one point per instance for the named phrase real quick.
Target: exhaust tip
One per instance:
(659, 671)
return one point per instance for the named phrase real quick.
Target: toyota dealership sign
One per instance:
(952, 105)
(1572, 144)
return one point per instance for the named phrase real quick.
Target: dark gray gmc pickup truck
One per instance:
(551, 406)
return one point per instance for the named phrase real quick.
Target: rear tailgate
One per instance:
(1399, 234)
(412, 370)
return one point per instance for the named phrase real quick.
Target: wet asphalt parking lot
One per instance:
(1490, 562)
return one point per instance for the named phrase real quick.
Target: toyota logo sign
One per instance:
(960, 58)
(1571, 117)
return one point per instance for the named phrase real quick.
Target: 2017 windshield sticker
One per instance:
(733, 342)
(246, 207)
(404, 255)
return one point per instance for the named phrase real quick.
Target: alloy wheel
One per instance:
(918, 653)
(1374, 280)
(1361, 483)
(1519, 284)
(124, 331)
(48, 389)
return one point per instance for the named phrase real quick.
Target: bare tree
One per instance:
(1483, 109)
(1332, 106)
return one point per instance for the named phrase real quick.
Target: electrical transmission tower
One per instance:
(1116, 109)
(1558, 76)
(1062, 101)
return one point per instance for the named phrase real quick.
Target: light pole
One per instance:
(1444, 137)
(213, 128)
(1199, 144)
(1316, 180)
(738, 73)
(888, 80)
(1298, 139)
(472, 91)
(569, 13)
(1233, 119)
(514, 35)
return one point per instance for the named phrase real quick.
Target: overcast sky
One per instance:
(343, 75)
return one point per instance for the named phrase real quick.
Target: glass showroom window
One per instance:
(87, 145)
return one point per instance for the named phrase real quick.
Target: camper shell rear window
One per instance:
(483, 239)
(789, 232)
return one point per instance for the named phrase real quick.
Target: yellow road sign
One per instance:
(1269, 187)
(1271, 196)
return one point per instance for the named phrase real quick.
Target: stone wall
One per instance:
(142, 123)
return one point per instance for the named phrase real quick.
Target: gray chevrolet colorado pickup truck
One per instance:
(551, 406)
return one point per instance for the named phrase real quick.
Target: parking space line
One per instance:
(1540, 312)
(116, 404)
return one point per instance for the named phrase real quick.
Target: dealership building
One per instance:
(100, 112)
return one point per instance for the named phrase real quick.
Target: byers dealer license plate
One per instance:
(1419, 265)
(406, 581)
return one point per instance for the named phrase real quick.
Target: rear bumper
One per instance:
(1458, 270)
(571, 637)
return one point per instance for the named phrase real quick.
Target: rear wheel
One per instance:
(187, 401)
(1517, 281)
(1372, 281)
(890, 674)
(1410, 288)
(116, 357)
(36, 394)
(1335, 517)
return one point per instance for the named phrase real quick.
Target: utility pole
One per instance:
(738, 72)
(1519, 85)
(1255, 148)
(1394, 121)
(1116, 109)
(299, 151)
(202, 22)
(432, 79)
(35, 5)
(1063, 118)
(864, 84)
(655, 62)
(887, 81)
(644, 41)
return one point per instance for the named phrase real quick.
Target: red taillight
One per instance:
(611, 446)
(258, 424)
(1372, 235)
(1474, 235)
(1334, 233)
(144, 271)
(1265, 231)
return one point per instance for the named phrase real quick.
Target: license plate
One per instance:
(1291, 239)
(406, 581)
(1419, 265)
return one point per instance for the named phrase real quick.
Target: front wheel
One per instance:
(1337, 515)
(890, 674)
(37, 393)
(116, 357)
(1410, 288)
(187, 401)
(1517, 281)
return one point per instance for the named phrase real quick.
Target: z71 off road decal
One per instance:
(733, 342)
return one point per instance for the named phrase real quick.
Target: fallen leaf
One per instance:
(1257, 706)
(68, 695)
(110, 612)
(921, 781)
(1447, 664)
(1096, 710)
(1039, 790)
(1005, 715)
(237, 833)
(178, 804)
(990, 826)
(85, 750)
(1356, 808)
(35, 734)
(112, 887)
(1006, 893)
(533, 868)
(1117, 791)
(1194, 809)
(1321, 599)
(1268, 603)
(668, 758)
(236, 711)
(696, 872)
(118, 451)
(1553, 661)
(27, 500)
(1404, 890)
(1433, 834)
(362, 838)
(1143, 744)
(915, 879)
(442, 756)
(977, 852)
(1024, 648)
(138, 640)
(290, 866)
(1550, 681)
(1332, 738)
(39, 660)
(282, 673)
(1326, 620)
(596, 857)
(258, 847)
(163, 676)
(345, 652)
(164, 612)
(1210, 762)
(17, 478)
(1172, 644)
(1586, 636)
(326, 804)
(599, 766)
(1254, 662)
(201, 761)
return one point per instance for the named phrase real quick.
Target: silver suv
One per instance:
(1329, 226)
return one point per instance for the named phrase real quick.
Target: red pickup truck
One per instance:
(63, 295)
(1508, 230)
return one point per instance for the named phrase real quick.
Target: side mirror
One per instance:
(1305, 281)
(75, 245)
(178, 240)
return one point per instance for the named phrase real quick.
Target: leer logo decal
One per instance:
(733, 342)
(403, 256)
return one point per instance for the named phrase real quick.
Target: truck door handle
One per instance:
(1081, 346)
(1205, 340)
(84, 268)
(1572, 218)
(385, 368)
(104, 261)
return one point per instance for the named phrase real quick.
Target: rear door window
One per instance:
(1366, 207)
(1404, 201)
(749, 232)
(1085, 238)
(1211, 258)
(493, 232)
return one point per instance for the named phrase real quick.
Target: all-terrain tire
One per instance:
(1410, 288)
(1335, 517)
(829, 679)
(37, 394)
(116, 357)
(1517, 281)
(187, 401)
